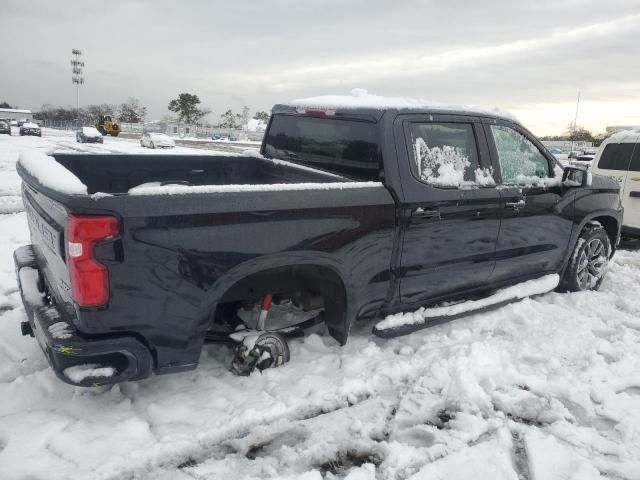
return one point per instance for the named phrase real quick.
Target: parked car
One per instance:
(619, 158)
(157, 140)
(554, 151)
(30, 129)
(220, 138)
(89, 135)
(5, 127)
(349, 213)
(583, 160)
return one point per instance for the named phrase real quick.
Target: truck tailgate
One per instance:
(46, 220)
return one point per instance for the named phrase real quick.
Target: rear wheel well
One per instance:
(305, 282)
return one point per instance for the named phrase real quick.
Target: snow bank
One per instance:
(50, 173)
(361, 98)
(525, 289)
(440, 403)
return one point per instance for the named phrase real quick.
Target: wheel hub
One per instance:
(268, 350)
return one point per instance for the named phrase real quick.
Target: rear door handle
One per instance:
(421, 212)
(519, 204)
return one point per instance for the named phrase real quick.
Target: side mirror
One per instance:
(576, 177)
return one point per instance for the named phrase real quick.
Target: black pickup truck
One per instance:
(347, 213)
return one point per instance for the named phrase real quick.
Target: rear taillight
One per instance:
(89, 278)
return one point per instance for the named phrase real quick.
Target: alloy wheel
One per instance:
(592, 264)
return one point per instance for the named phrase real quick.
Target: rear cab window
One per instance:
(346, 147)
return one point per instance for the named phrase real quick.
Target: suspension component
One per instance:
(264, 311)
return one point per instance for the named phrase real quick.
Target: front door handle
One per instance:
(516, 205)
(421, 212)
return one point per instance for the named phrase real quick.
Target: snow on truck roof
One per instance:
(362, 99)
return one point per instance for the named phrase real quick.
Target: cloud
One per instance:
(504, 53)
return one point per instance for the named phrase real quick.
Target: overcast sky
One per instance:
(529, 57)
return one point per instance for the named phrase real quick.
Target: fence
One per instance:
(174, 130)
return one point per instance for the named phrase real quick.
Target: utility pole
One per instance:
(575, 121)
(77, 65)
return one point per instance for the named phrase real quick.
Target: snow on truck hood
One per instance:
(361, 98)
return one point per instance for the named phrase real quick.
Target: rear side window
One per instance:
(635, 160)
(616, 156)
(446, 155)
(345, 147)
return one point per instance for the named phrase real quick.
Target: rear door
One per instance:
(620, 160)
(537, 215)
(631, 192)
(615, 159)
(449, 215)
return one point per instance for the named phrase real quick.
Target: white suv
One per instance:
(619, 157)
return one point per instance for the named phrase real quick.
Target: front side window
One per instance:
(446, 155)
(521, 162)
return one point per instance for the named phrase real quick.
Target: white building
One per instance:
(567, 145)
(15, 114)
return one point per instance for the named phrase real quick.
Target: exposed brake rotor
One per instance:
(269, 350)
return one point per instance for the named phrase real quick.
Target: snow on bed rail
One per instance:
(154, 188)
(361, 98)
(50, 173)
(422, 315)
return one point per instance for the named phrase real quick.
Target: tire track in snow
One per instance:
(192, 456)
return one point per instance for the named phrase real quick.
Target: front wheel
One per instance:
(589, 261)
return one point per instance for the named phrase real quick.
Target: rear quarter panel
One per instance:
(175, 267)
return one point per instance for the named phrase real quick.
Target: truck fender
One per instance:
(338, 323)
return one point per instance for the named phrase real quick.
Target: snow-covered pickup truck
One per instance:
(354, 209)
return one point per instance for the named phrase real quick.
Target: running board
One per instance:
(405, 323)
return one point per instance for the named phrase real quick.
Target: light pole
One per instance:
(77, 66)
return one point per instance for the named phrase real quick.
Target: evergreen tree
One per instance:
(186, 106)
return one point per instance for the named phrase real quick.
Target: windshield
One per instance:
(346, 147)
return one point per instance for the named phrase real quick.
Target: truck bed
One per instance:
(117, 174)
(156, 185)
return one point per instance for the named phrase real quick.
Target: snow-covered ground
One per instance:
(544, 389)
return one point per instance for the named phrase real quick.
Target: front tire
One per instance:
(589, 261)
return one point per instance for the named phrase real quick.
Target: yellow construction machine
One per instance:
(106, 126)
